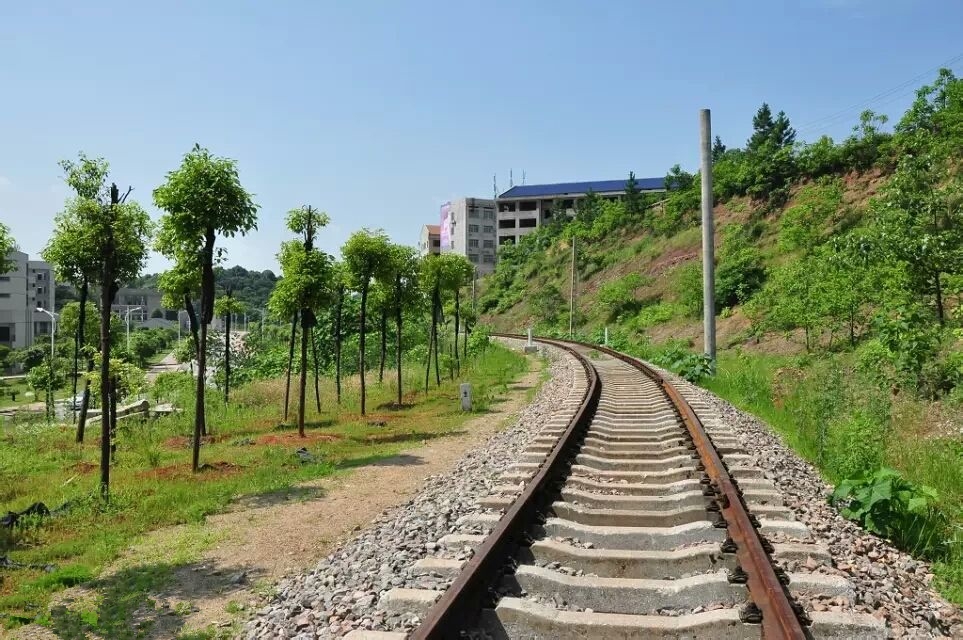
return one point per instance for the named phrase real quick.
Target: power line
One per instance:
(889, 95)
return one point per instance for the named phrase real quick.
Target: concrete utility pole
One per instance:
(571, 301)
(708, 233)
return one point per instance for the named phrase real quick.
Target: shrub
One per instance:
(889, 505)
(653, 315)
(855, 446)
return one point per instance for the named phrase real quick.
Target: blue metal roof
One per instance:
(569, 188)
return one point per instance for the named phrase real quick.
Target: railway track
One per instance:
(632, 515)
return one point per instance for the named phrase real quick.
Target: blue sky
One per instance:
(378, 112)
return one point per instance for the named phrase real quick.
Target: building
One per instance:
(430, 241)
(28, 285)
(524, 208)
(142, 303)
(468, 229)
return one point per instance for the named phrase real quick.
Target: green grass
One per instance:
(250, 453)
(843, 426)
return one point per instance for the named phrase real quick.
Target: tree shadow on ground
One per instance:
(146, 602)
(279, 496)
(390, 438)
(317, 424)
(383, 460)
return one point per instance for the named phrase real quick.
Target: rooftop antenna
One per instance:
(523, 176)
(494, 186)
(511, 179)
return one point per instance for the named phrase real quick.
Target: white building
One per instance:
(468, 228)
(524, 208)
(430, 241)
(30, 284)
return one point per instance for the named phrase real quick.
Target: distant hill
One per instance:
(252, 288)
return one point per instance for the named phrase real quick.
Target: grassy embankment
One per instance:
(247, 454)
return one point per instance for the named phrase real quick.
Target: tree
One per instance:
(366, 256)
(74, 251)
(718, 149)
(118, 233)
(305, 285)
(460, 272)
(920, 219)
(202, 198)
(6, 246)
(180, 286)
(226, 306)
(339, 279)
(403, 270)
(634, 208)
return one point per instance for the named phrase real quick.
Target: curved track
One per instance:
(636, 521)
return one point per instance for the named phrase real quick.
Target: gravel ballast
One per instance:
(889, 583)
(342, 592)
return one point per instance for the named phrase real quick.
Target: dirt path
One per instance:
(221, 568)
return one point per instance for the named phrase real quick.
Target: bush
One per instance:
(855, 446)
(740, 274)
(478, 340)
(885, 503)
(653, 315)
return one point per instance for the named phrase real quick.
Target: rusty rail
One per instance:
(464, 599)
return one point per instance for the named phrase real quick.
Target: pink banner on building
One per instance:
(445, 226)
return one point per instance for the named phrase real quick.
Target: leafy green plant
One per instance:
(889, 505)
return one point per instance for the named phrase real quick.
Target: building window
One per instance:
(40, 277)
(5, 334)
(568, 203)
(527, 223)
(506, 240)
(506, 224)
(473, 228)
(473, 257)
(489, 229)
(489, 244)
(528, 205)
(488, 214)
(435, 242)
(473, 212)
(4, 295)
(4, 278)
(473, 243)
(488, 259)
(506, 206)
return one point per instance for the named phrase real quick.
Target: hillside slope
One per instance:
(839, 302)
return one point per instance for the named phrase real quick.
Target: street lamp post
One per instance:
(127, 320)
(53, 331)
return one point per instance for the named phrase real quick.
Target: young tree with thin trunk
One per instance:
(305, 287)
(203, 198)
(119, 233)
(180, 286)
(405, 294)
(340, 287)
(460, 272)
(72, 250)
(366, 255)
(226, 306)
(287, 379)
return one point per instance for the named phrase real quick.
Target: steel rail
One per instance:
(464, 599)
(779, 619)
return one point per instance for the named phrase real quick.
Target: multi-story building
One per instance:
(41, 293)
(468, 228)
(24, 288)
(142, 303)
(430, 241)
(524, 208)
